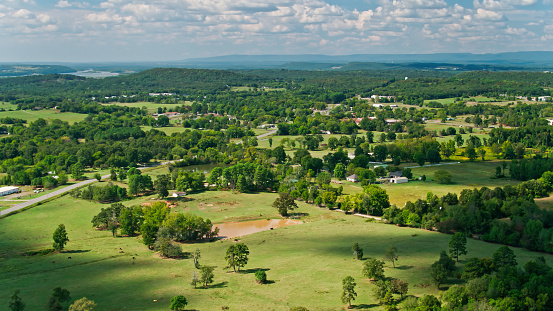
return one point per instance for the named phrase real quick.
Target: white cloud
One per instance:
(63, 4)
(23, 13)
(104, 17)
(482, 14)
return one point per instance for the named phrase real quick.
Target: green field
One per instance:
(7, 106)
(467, 175)
(305, 263)
(46, 114)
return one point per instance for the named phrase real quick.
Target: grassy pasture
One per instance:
(466, 175)
(7, 106)
(46, 114)
(305, 263)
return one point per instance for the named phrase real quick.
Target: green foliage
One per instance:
(458, 245)
(178, 303)
(442, 176)
(379, 200)
(373, 269)
(284, 203)
(162, 184)
(391, 255)
(442, 269)
(83, 304)
(206, 275)
(429, 303)
(348, 290)
(237, 256)
(504, 257)
(357, 251)
(261, 277)
(60, 238)
(16, 304)
(59, 297)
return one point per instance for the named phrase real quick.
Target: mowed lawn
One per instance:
(305, 263)
(46, 114)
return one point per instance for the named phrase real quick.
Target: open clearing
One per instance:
(46, 114)
(305, 263)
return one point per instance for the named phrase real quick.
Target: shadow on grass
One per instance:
(219, 285)
(76, 251)
(254, 270)
(404, 267)
(363, 306)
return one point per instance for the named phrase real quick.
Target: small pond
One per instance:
(240, 228)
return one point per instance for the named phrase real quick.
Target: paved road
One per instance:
(47, 196)
(83, 183)
(266, 134)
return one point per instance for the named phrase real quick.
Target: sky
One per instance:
(168, 30)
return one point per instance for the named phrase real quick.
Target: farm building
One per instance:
(353, 178)
(9, 190)
(178, 194)
(399, 180)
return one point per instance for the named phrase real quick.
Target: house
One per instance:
(399, 180)
(353, 178)
(179, 194)
(395, 174)
(9, 190)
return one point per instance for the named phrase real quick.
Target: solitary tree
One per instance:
(348, 290)
(261, 277)
(373, 269)
(60, 238)
(442, 176)
(237, 256)
(16, 304)
(83, 304)
(357, 251)
(196, 257)
(178, 302)
(400, 287)
(391, 255)
(284, 203)
(206, 275)
(195, 279)
(59, 296)
(458, 245)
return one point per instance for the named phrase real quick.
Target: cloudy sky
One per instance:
(157, 30)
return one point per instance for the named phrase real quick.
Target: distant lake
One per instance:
(94, 74)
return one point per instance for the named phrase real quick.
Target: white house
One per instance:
(399, 180)
(179, 194)
(353, 178)
(9, 190)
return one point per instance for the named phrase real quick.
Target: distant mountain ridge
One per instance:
(511, 59)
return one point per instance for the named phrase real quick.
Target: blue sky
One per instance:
(158, 30)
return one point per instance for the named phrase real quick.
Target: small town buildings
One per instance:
(9, 190)
(353, 178)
